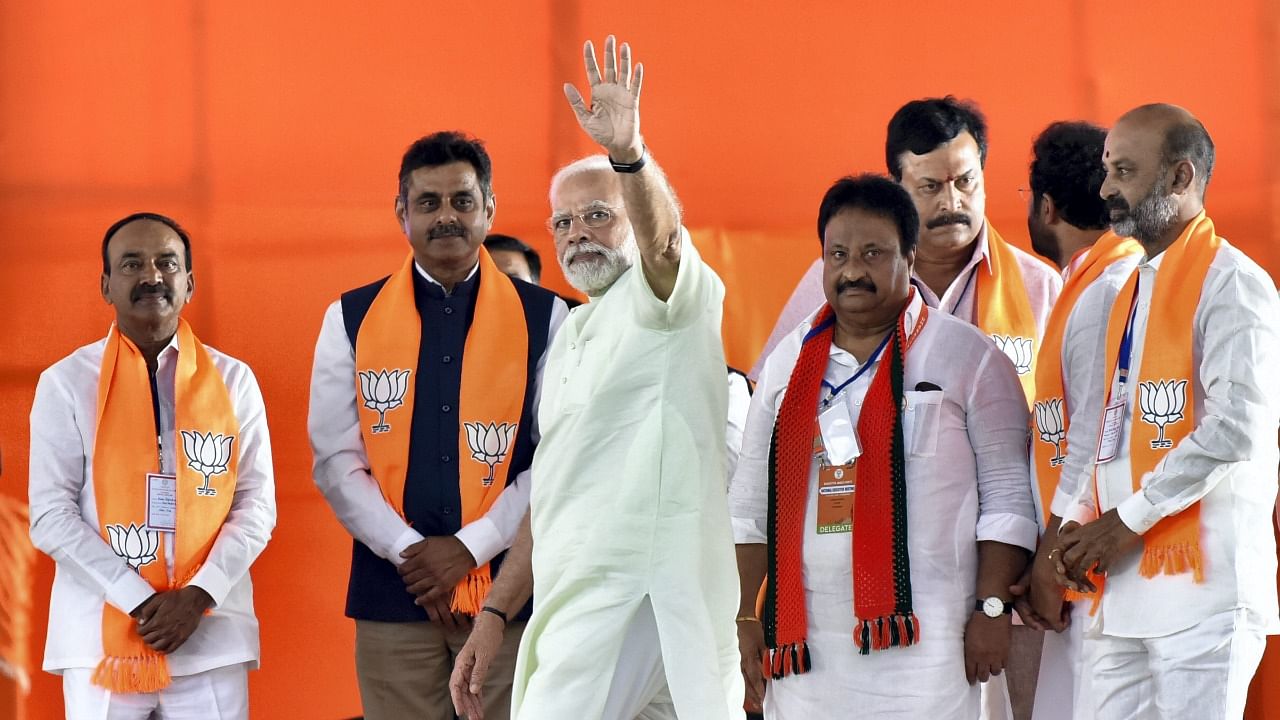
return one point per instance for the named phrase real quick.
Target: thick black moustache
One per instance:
(855, 285)
(449, 230)
(142, 291)
(948, 219)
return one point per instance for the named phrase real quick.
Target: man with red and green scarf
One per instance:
(882, 489)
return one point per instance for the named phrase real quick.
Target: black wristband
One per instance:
(495, 611)
(630, 167)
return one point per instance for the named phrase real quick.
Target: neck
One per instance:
(448, 273)
(939, 267)
(151, 340)
(1158, 245)
(1072, 240)
(860, 333)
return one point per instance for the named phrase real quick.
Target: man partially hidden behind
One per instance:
(514, 257)
(1068, 223)
(630, 543)
(882, 489)
(1169, 486)
(152, 490)
(423, 428)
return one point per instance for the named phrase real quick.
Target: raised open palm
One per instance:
(613, 117)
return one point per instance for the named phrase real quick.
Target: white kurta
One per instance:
(966, 482)
(629, 501)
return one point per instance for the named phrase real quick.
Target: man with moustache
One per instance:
(882, 489)
(153, 491)
(628, 541)
(1067, 221)
(423, 426)
(1167, 495)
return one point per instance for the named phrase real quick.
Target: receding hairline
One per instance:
(597, 163)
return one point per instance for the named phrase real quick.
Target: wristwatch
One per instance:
(994, 607)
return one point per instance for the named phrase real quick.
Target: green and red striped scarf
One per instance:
(881, 567)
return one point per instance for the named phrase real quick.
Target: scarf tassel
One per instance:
(897, 630)
(790, 659)
(141, 674)
(469, 595)
(1172, 560)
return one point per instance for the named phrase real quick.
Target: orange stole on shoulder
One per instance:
(1050, 415)
(207, 453)
(491, 400)
(1004, 310)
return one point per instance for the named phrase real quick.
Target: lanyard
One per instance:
(834, 390)
(1126, 342)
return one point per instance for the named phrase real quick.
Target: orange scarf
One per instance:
(1004, 310)
(124, 452)
(1051, 415)
(491, 400)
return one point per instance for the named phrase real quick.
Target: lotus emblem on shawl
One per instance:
(135, 544)
(1049, 425)
(489, 444)
(1017, 349)
(1161, 403)
(383, 391)
(207, 454)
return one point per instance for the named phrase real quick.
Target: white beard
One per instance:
(595, 275)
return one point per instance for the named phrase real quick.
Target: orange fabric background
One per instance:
(274, 133)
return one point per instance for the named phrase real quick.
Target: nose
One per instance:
(951, 197)
(152, 275)
(1106, 190)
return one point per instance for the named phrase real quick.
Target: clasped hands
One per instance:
(432, 568)
(167, 619)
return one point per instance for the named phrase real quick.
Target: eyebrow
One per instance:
(970, 171)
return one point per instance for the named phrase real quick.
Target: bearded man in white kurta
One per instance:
(883, 487)
(633, 572)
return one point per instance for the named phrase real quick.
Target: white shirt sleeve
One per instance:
(749, 489)
(252, 517)
(1238, 373)
(57, 479)
(489, 535)
(996, 415)
(698, 291)
(341, 467)
(1083, 347)
(739, 401)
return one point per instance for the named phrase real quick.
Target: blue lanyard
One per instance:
(967, 284)
(834, 391)
(1126, 341)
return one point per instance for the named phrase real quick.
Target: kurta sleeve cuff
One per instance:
(212, 580)
(129, 592)
(1078, 513)
(407, 538)
(1009, 529)
(482, 540)
(748, 531)
(1138, 513)
(1061, 503)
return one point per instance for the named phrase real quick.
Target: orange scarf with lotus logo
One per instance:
(1004, 311)
(124, 452)
(1165, 409)
(491, 400)
(1051, 416)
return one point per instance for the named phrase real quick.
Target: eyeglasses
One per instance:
(593, 217)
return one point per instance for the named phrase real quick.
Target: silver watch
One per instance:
(994, 607)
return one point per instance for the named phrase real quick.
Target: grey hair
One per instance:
(590, 163)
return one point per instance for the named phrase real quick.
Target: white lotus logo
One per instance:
(1017, 349)
(135, 544)
(383, 392)
(1161, 403)
(1050, 426)
(489, 444)
(207, 454)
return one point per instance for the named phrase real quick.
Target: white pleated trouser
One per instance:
(218, 694)
(638, 690)
(1062, 689)
(1200, 673)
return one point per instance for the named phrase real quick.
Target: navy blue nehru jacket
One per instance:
(432, 501)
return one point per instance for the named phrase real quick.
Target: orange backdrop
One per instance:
(274, 130)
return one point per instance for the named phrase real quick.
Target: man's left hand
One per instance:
(166, 623)
(1099, 543)
(612, 118)
(434, 566)
(986, 646)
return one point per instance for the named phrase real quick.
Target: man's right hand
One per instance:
(472, 665)
(753, 650)
(1044, 594)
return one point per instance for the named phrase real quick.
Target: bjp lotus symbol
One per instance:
(207, 454)
(135, 544)
(1049, 425)
(489, 444)
(1017, 349)
(383, 392)
(1162, 403)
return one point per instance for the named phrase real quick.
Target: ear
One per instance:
(490, 208)
(105, 279)
(191, 285)
(1048, 210)
(401, 213)
(1183, 177)
(911, 260)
